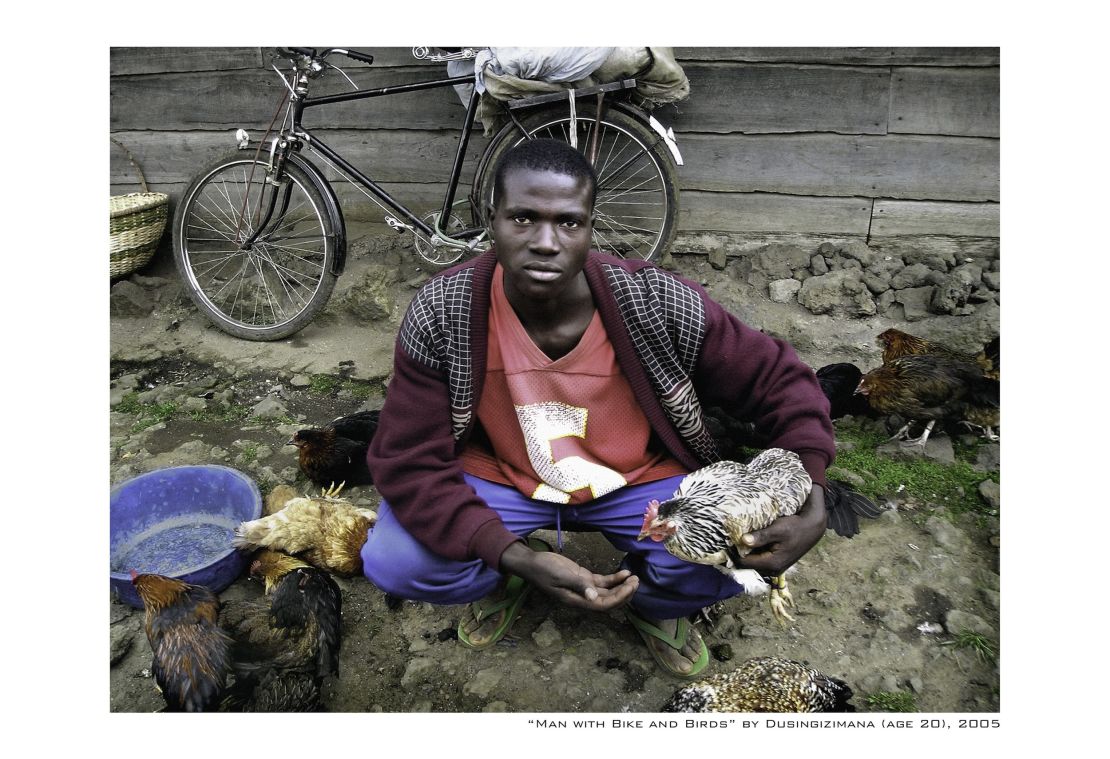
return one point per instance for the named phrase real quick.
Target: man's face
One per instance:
(542, 228)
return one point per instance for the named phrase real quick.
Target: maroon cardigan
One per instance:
(677, 347)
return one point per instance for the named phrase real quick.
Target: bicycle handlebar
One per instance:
(365, 58)
(311, 52)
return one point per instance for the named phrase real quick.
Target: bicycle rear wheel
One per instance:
(637, 195)
(278, 284)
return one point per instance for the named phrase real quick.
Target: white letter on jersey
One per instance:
(544, 422)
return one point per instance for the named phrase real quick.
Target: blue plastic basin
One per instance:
(179, 522)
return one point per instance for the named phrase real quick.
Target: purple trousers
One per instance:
(399, 565)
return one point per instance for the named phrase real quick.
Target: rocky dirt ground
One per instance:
(904, 612)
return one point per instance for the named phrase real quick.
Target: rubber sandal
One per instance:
(516, 590)
(648, 631)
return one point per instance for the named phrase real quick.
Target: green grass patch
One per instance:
(897, 701)
(323, 384)
(149, 414)
(146, 414)
(359, 389)
(985, 649)
(249, 453)
(221, 414)
(954, 486)
(327, 384)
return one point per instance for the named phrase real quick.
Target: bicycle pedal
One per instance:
(398, 226)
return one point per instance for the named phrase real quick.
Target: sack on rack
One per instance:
(503, 74)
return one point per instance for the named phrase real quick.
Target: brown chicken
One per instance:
(336, 453)
(285, 648)
(192, 656)
(931, 388)
(326, 531)
(897, 344)
(764, 684)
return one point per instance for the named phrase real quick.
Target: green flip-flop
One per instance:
(516, 590)
(648, 631)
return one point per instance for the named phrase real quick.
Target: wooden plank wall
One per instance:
(868, 143)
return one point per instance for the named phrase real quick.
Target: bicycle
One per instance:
(260, 240)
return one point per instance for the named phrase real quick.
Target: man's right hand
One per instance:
(567, 581)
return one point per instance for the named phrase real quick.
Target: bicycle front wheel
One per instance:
(273, 286)
(637, 195)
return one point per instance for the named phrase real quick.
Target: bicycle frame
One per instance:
(300, 101)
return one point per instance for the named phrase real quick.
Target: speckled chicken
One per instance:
(192, 656)
(764, 684)
(715, 506)
(326, 531)
(283, 649)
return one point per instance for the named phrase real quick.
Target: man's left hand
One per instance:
(776, 547)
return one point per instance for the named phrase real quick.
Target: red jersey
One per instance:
(563, 430)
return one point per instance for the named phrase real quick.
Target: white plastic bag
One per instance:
(545, 64)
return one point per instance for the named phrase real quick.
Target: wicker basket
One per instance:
(137, 221)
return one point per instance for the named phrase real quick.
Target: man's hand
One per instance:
(776, 547)
(564, 579)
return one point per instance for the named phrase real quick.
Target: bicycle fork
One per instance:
(276, 180)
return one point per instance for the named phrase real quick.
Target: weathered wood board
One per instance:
(765, 212)
(249, 99)
(850, 56)
(125, 61)
(881, 166)
(760, 98)
(898, 217)
(963, 102)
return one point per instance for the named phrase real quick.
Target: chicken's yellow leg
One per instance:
(780, 599)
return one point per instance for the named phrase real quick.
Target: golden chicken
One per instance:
(326, 531)
(192, 654)
(283, 649)
(764, 684)
(930, 388)
(715, 506)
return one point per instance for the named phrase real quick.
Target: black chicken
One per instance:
(336, 453)
(838, 383)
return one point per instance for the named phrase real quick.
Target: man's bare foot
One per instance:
(681, 661)
(481, 631)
